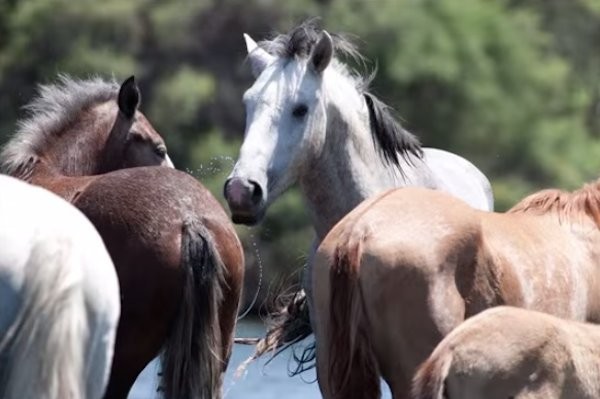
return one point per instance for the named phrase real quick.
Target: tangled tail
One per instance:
(353, 369)
(192, 363)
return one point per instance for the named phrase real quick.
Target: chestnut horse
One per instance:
(177, 256)
(407, 266)
(507, 352)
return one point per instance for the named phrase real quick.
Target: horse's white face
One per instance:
(285, 123)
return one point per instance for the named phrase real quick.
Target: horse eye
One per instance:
(300, 110)
(160, 150)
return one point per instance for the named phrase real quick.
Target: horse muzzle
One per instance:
(245, 200)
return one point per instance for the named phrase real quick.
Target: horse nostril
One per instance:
(256, 192)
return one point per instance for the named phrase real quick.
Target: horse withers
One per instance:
(311, 121)
(406, 267)
(59, 298)
(177, 256)
(507, 352)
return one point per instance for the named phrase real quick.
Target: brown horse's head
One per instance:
(132, 140)
(83, 127)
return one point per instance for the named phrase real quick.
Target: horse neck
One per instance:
(345, 168)
(79, 149)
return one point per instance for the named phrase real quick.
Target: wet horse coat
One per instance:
(406, 267)
(177, 256)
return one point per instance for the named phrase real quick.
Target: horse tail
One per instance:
(430, 379)
(42, 353)
(353, 369)
(192, 362)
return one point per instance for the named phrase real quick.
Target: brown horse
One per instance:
(508, 352)
(406, 267)
(177, 256)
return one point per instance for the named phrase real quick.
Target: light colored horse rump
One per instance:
(508, 352)
(59, 298)
(406, 267)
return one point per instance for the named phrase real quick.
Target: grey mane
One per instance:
(392, 140)
(55, 107)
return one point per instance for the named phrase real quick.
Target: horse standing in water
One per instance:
(406, 267)
(509, 352)
(177, 256)
(59, 298)
(311, 121)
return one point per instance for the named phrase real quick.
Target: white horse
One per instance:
(515, 353)
(59, 298)
(310, 120)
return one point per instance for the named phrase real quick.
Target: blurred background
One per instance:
(512, 85)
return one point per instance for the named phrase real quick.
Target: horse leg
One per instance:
(150, 295)
(138, 342)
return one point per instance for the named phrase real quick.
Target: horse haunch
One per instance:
(509, 352)
(428, 261)
(163, 225)
(59, 298)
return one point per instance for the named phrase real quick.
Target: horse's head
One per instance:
(285, 122)
(132, 140)
(83, 127)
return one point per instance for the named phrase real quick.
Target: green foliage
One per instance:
(176, 105)
(513, 85)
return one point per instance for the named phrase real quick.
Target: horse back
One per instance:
(536, 262)
(411, 226)
(141, 212)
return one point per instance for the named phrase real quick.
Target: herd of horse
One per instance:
(110, 256)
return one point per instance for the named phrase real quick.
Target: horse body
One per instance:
(508, 352)
(59, 298)
(406, 267)
(149, 244)
(311, 121)
(177, 256)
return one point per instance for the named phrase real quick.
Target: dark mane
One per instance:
(568, 206)
(55, 107)
(301, 40)
(391, 140)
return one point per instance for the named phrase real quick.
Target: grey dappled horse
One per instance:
(311, 121)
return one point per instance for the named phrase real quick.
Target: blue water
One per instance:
(261, 381)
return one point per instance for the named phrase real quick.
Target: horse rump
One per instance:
(42, 353)
(192, 363)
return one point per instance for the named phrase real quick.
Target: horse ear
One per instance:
(129, 97)
(258, 57)
(322, 54)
